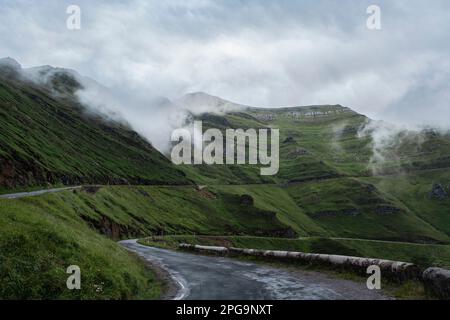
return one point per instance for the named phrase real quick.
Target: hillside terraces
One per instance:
(298, 113)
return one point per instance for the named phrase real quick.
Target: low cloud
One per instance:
(388, 139)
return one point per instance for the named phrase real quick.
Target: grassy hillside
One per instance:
(324, 142)
(51, 139)
(414, 192)
(331, 180)
(41, 236)
(347, 207)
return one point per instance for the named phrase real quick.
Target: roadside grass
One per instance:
(38, 241)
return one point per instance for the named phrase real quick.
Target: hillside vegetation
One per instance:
(51, 139)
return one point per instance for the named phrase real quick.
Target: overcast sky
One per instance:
(261, 53)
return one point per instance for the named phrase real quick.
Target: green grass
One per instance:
(344, 207)
(352, 208)
(413, 191)
(275, 198)
(40, 237)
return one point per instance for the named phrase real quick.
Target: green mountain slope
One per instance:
(330, 141)
(49, 138)
(331, 180)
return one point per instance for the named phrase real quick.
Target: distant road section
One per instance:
(35, 193)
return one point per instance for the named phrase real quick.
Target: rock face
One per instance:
(289, 140)
(352, 212)
(438, 192)
(437, 282)
(297, 152)
(246, 200)
(387, 210)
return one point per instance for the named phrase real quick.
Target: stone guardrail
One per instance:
(436, 280)
(394, 269)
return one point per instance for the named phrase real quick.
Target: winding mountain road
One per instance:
(217, 278)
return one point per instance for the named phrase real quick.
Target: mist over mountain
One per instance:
(277, 54)
(51, 136)
(201, 102)
(155, 117)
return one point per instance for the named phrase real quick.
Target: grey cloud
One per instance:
(262, 53)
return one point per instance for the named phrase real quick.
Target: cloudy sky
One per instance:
(261, 53)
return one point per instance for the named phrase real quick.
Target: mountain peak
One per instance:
(202, 97)
(201, 102)
(10, 62)
(10, 68)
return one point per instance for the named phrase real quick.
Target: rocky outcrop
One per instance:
(91, 189)
(438, 192)
(266, 117)
(351, 212)
(387, 210)
(297, 152)
(246, 200)
(112, 229)
(289, 140)
(437, 282)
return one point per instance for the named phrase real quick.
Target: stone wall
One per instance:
(436, 280)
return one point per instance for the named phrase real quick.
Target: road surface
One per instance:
(218, 278)
(36, 193)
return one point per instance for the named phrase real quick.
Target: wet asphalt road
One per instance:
(216, 278)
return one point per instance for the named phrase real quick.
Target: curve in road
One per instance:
(218, 278)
